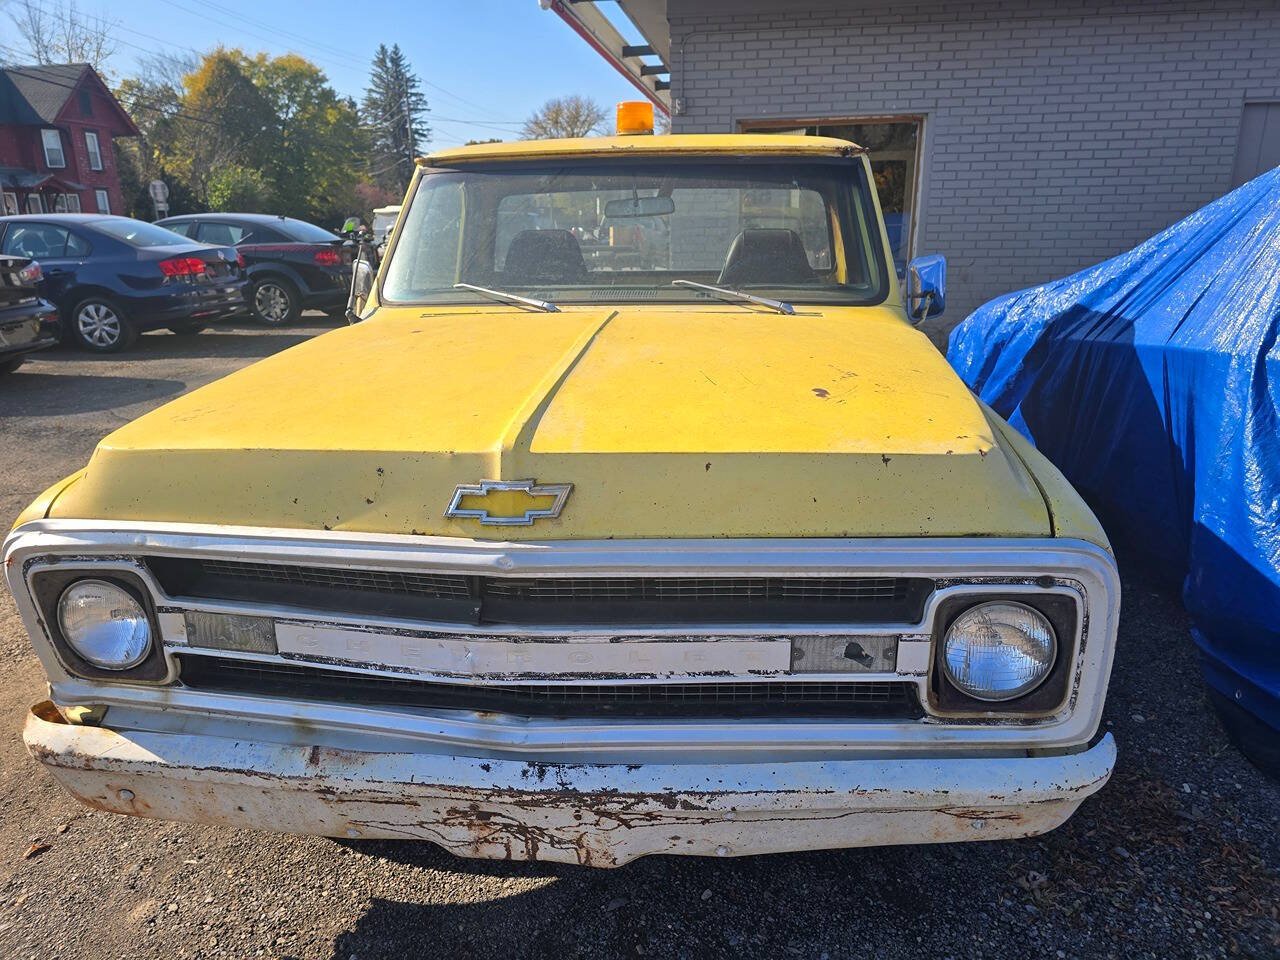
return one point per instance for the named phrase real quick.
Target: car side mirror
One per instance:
(926, 287)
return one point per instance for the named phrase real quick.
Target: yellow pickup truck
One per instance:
(693, 546)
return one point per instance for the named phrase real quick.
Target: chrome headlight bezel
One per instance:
(47, 588)
(1048, 695)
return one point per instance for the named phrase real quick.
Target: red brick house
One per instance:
(57, 123)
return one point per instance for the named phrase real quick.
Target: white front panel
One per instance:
(559, 658)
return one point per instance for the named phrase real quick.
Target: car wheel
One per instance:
(187, 329)
(274, 302)
(8, 366)
(98, 324)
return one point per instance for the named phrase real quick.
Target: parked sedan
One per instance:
(27, 323)
(292, 265)
(112, 277)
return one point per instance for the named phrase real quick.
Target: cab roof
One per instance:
(688, 144)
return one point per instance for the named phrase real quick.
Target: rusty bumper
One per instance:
(596, 814)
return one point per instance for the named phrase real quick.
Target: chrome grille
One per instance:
(444, 586)
(648, 601)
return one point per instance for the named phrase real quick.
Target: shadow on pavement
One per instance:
(28, 393)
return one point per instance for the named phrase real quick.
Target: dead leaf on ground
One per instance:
(35, 850)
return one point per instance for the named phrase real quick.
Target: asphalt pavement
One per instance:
(1178, 856)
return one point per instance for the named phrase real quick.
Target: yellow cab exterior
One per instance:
(700, 440)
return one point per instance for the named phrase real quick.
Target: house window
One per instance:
(894, 144)
(91, 148)
(86, 104)
(34, 203)
(73, 203)
(53, 155)
(59, 203)
(10, 204)
(103, 201)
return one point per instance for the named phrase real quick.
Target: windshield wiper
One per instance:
(509, 297)
(727, 294)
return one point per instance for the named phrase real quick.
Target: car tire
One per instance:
(8, 366)
(187, 329)
(98, 324)
(274, 302)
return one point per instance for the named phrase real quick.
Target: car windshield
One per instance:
(582, 232)
(139, 234)
(304, 232)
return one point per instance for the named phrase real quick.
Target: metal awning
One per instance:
(21, 179)
(646, 65)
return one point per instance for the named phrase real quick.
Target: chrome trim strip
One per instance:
(971, 559)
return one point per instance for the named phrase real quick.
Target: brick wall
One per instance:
(1058, 132)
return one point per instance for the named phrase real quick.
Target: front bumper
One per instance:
(595, 814)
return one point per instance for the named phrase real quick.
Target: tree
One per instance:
(55, 32)
(236, 189)
(574, 116)
(224, 120)
(320, 148)
(392, 112)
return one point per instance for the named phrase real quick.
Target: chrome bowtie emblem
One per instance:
(508, 503)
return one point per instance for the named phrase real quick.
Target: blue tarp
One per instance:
(1153, 382)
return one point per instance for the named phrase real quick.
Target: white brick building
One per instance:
(1023, 139)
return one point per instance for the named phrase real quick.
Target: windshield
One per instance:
(136, 233)
(624, 231)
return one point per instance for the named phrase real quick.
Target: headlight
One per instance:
(999, 650)
(105, 624)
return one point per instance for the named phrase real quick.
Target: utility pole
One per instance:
(408, 125)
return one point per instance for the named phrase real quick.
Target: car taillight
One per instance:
(182, 266)
(328, 258)
(30, 275)
(239, 259)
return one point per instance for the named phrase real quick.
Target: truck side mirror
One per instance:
(926, 287)
(361, 285)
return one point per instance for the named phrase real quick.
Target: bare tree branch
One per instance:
(57, 32)
(574, 116)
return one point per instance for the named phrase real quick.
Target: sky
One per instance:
(485, 64)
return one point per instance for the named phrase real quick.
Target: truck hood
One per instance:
(696, 421)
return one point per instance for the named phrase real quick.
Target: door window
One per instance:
(39, 241)
(34, 203)
(77, 246)
(53, 155)
(894, 148)
(222, 234)
(184, 227)
(10, 204)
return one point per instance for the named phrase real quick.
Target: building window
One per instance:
(103, 201)
(1258, 145)
(86, 104)
(894, 144)
(59, 203)
(53, 155)
(91, 148)
(10, 204)
(73, 203)
(34, 203)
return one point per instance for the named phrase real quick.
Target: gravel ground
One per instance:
(1179, 856)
